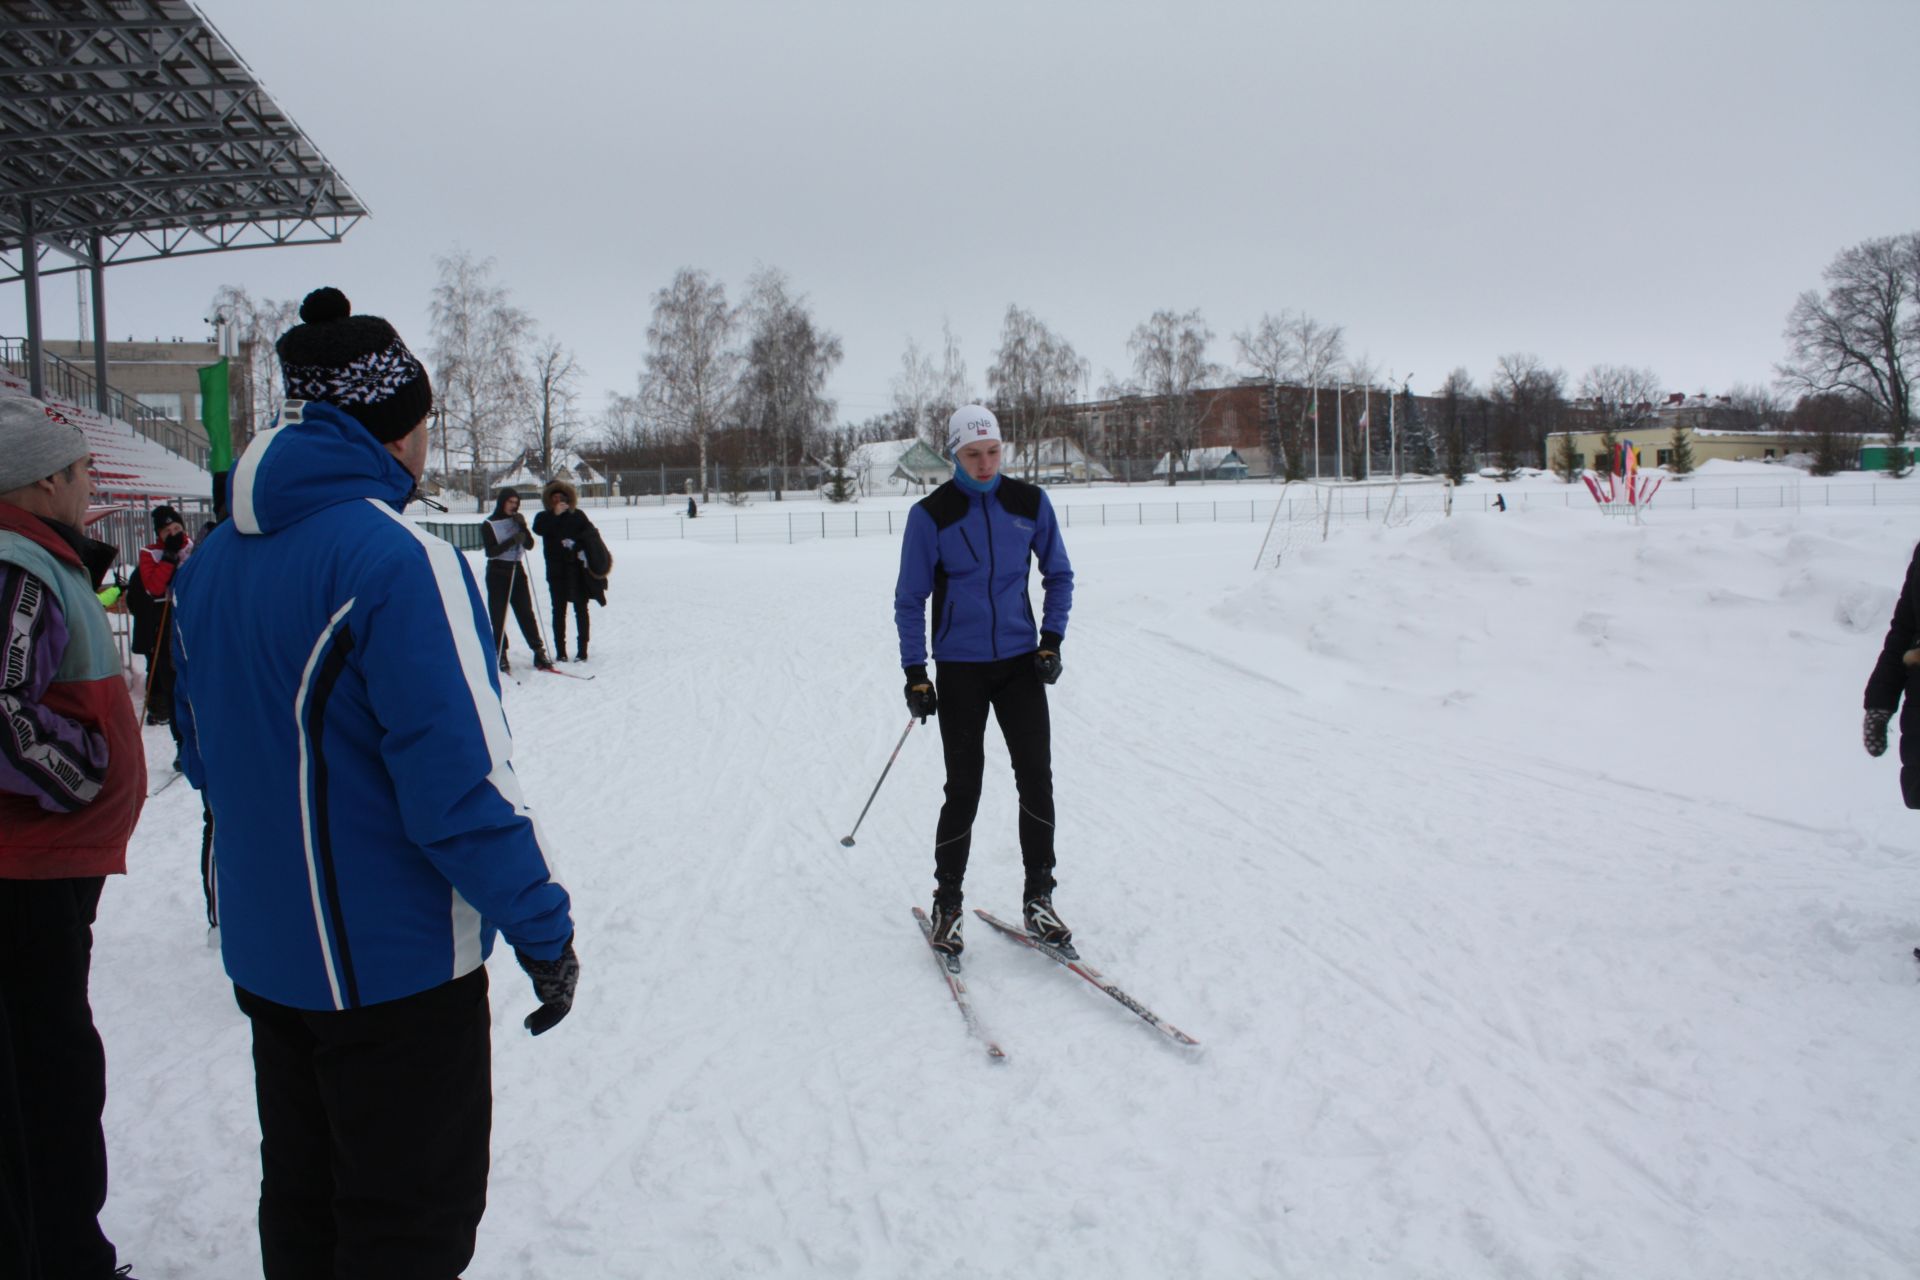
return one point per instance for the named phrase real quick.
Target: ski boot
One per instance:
(1043, 923)
(542, 662)
(946, 926)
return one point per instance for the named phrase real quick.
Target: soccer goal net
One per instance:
(1310, 511)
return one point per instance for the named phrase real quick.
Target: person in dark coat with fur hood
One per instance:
(1898, 672)
(507, 540)
(577, 563)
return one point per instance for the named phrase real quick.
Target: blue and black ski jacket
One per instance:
(970, 550)
(340, 709)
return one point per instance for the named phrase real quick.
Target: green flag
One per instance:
(214, 416)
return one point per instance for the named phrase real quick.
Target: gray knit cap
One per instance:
(36, 440)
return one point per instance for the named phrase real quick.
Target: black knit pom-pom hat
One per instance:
(355, 363)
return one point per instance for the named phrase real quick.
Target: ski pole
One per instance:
(847, 839)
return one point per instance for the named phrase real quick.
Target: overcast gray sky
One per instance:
(1624, 182)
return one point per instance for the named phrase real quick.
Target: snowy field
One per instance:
(1521, 874)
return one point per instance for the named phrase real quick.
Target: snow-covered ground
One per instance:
(1522, 875)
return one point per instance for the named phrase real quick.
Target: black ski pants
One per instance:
(1012, 690)
(53, 1085)
(507, 582)
(374, 1125)
(560, 604)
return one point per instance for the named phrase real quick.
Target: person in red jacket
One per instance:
(73, 777)
(159, 560)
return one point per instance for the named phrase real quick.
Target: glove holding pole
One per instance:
(1046, 660)
(922, 701)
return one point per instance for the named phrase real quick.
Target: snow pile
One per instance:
(1521, 874)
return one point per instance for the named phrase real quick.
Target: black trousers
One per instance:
(374, 1125)
(53, 1085)
(507, 581)
(585, 628)
(1011, 689)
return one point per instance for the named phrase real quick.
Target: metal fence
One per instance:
(1336, 503)
(71, 384)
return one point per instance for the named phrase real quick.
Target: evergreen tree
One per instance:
(1566, 462)
(1680, 452)
(839, 486)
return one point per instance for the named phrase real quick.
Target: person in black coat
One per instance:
(571, 544)
(507, 540)
(1894, 674)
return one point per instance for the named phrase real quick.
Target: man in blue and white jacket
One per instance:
(968, 544)
(339, 703)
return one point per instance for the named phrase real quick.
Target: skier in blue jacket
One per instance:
(968, 544)
(338, 700)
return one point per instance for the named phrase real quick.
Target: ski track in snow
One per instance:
(1521, 876)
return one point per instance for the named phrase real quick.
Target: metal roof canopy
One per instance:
(130, 131)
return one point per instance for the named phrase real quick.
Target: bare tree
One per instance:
(555, 382)
(479, 368)
(1035, 375)
(1862, 338)
(623, 431)
(956, 388)
(1358, 381)
(1527, 400)
(692, 371)
(1170, 366)
(925, 394)
(1754, 407)
(1623, 400)
(1297, 350)
(1459, 399)
(916, 392)
(783, 378)
(257, 325)
(1831, 426)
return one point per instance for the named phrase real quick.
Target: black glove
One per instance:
(175, 543)
(553, 984)
(921, 700)
(1874, 732)
(1046, 663)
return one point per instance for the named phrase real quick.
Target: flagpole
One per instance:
(1393, 430)
(1316, 431)
(1366, 432)
(1340, 432)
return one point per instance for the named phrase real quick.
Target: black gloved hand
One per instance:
(921, 699)
(175, 543)
(1874, 732)
(553, 984)
(1046, 662)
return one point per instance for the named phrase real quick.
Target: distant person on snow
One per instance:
(370, 833)
(1897, 672)
(508, 540)
(577, 563)
(967, 545)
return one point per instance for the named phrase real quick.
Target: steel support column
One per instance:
(30, 276)
(97, 281)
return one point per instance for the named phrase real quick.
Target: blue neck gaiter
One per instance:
(967, 482)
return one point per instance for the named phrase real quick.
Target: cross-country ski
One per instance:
(950, 969)
(1066, 957)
